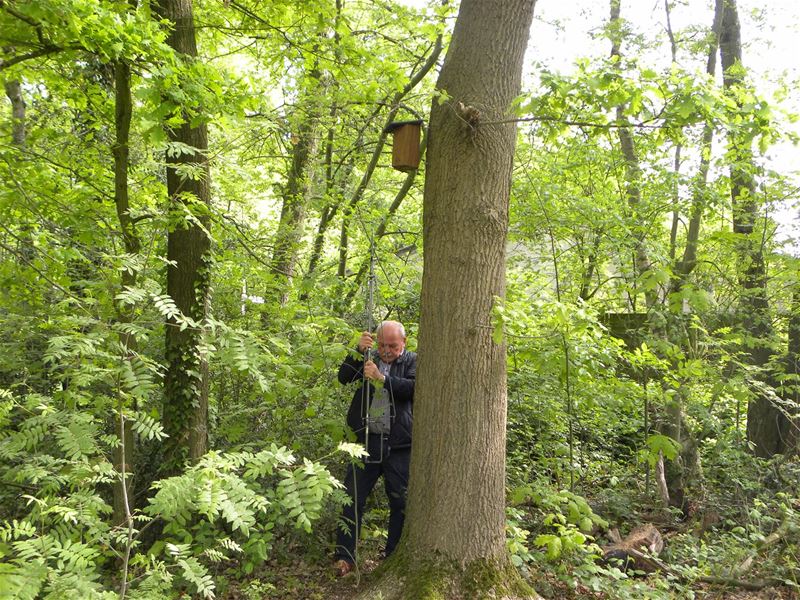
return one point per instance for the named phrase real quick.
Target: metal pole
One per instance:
(365, 401)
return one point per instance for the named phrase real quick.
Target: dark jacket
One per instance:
(399, 382)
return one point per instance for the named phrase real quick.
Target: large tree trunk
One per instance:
(454, 541)
(765, 421)
(189, 253)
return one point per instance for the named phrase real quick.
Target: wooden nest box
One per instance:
(405, 144)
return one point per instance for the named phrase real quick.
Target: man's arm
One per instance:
(352, 369)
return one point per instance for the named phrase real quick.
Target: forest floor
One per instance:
(311, 577)
(304, 578)
(301, 568)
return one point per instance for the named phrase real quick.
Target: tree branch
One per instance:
(44, 51)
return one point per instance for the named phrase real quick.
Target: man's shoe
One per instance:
(342, 567)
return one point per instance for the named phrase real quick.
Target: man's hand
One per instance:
(365, 342)
(371, 371)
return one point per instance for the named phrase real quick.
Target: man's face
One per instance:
(390, 343)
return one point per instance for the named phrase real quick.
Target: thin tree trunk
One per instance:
(185, 414)
(591, 266)
(676, 197)
(344, 233)
(123, 454)
(329, 211)
(673, 233)
(791, 396)
(684, 468)
(765, 421)
(381, 230)
(295, 196)
(679, 473)
(633, 171)
(14, 93)
(684, 267)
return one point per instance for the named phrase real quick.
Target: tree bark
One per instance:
(123, 109)
(684, 267)
(456, 507)
(791, 395)
(185, 414)
(633, 171)
(680, 472)
(14, 93)
(295, 195)
(765, 421)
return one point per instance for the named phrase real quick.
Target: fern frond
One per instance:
(196, 573)
(148, 427)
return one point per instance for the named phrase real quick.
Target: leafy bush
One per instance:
(61, 541)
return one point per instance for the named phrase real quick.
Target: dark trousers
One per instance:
(359, 483)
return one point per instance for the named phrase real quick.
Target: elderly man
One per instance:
(380, 416)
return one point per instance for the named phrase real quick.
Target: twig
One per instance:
(641, 125)
(785, 528)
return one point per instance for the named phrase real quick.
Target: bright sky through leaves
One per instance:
(563, 32)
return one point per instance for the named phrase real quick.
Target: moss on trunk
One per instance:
(406, 577)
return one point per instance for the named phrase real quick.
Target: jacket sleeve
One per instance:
(402, 386)
(351, 369)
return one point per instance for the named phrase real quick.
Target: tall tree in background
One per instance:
(304, 123)
(189, 254)
(123, 110)
(683, 268)
(678, 474)
(14, 94)
(792, 435)
(295, 192)
(765, 421)
(633, 171)
(454, 543)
